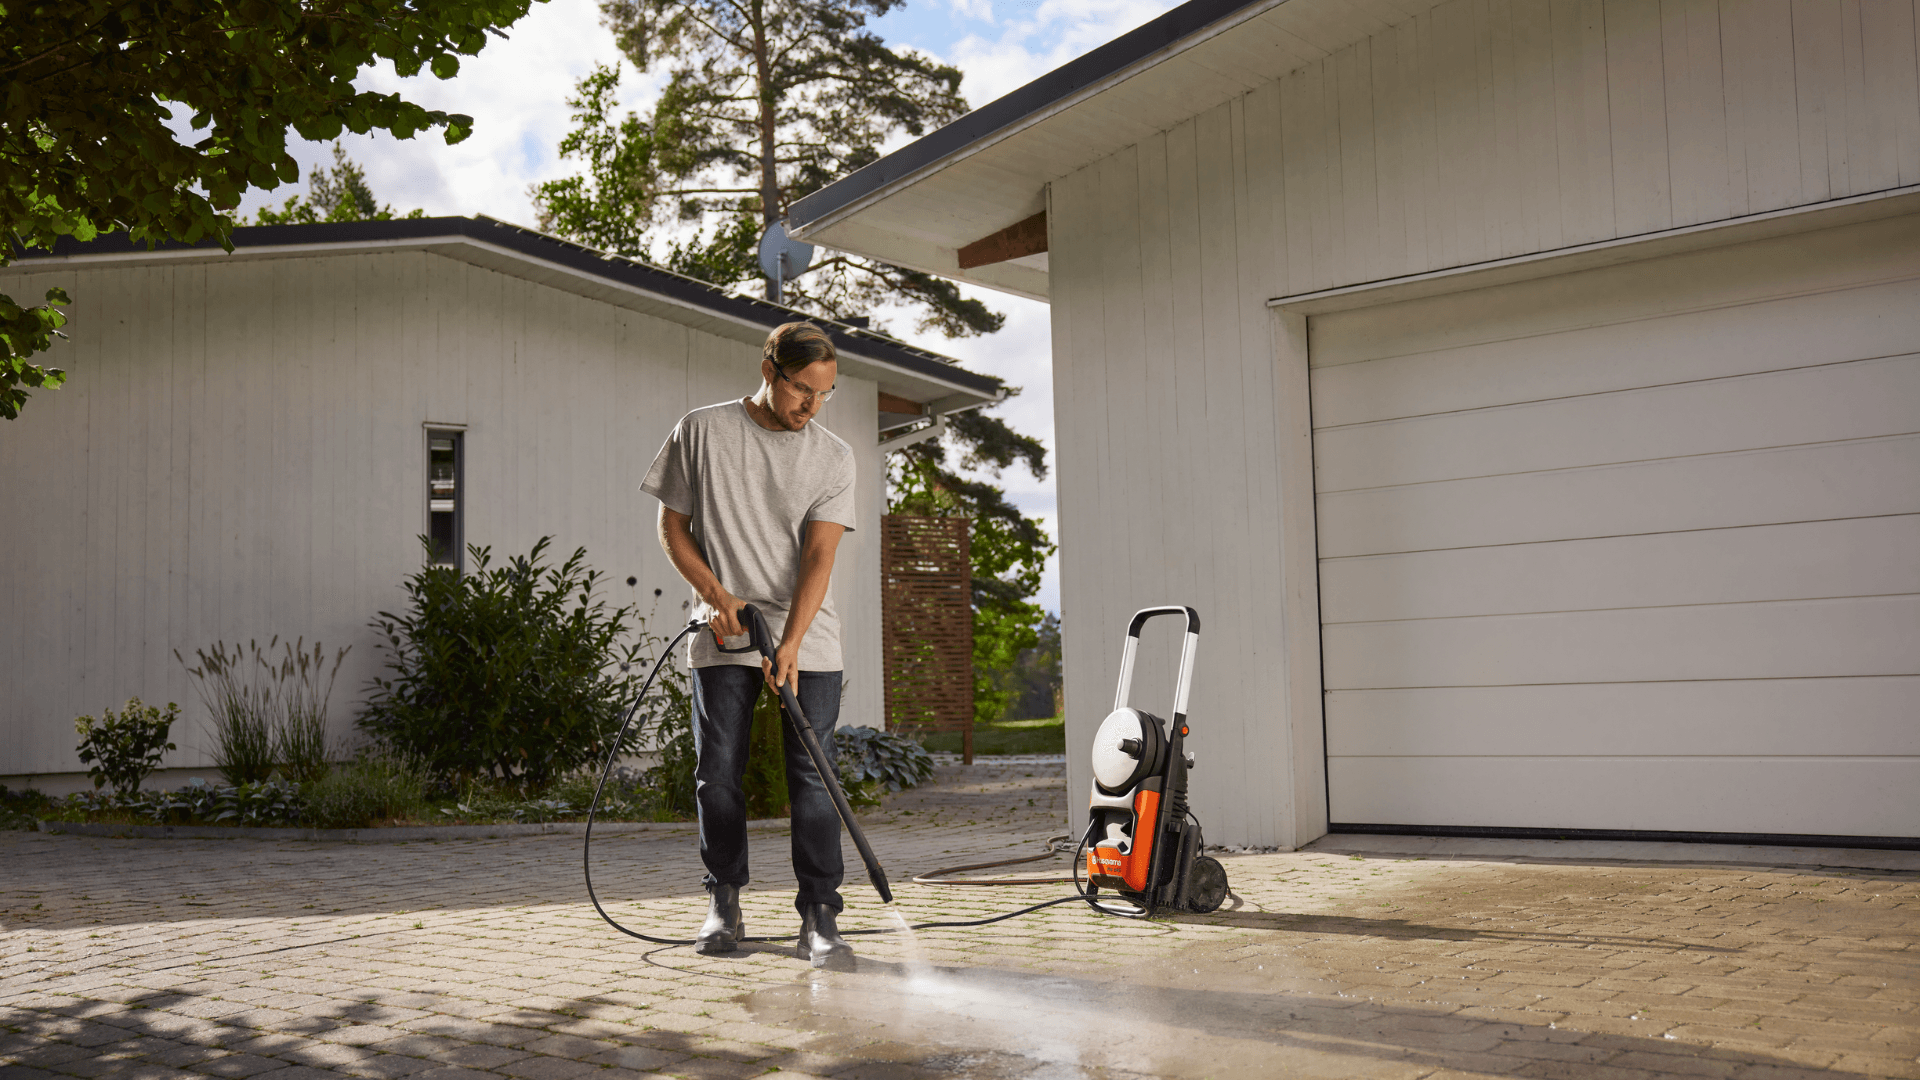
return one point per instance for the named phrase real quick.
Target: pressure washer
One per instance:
(1141, 841)
(1146, 843)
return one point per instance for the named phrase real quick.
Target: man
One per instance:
(753, 499)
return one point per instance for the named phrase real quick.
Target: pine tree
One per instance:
(766, 101)
(338, 194)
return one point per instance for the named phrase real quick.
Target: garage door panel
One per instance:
(1795, 639)
(1806, 483)
(1862, 399)
(1772, 272)
(1693, 794)
(1793, 717)
(1881, 320)
(1802, 561)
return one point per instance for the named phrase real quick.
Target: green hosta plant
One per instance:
(871, 755)
(268, 803)
(123, 749)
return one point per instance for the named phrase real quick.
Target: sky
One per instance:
(516, 91)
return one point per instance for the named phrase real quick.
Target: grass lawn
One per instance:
(1047, 736)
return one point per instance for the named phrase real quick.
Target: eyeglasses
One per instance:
(806, 395)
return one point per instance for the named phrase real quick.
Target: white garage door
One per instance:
(1629, 549)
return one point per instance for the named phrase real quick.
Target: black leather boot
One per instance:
(725, 926)
(820, 940)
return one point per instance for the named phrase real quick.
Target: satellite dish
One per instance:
(783, 258)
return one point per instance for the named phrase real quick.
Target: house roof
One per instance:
(900, 369)
(989, 169)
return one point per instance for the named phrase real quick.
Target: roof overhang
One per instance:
(899, 369)
(988, 171)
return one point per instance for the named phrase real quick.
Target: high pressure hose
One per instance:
(817, 756)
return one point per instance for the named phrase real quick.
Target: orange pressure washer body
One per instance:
(1109, 865)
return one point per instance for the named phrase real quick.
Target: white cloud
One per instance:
(515, 90)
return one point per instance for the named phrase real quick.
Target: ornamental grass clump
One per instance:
(306, 687)
(518, 673)
(266, 712)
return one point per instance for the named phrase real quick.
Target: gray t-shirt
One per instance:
(751, 493)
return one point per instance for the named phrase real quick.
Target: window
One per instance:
(445, 521)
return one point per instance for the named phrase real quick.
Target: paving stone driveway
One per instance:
(480, 959)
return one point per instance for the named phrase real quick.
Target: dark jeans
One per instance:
(723, 699)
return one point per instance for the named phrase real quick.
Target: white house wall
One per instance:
(239, 452)
(1480, 130)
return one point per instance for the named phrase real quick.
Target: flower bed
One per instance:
(277, 804)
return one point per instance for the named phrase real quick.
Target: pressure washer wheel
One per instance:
(1206, 885)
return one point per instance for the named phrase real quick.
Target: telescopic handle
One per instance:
(1189, 644)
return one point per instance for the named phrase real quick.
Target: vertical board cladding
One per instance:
(1477, 130)
(1167, 479)
(240, 452)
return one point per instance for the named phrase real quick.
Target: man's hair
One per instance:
(794, 345)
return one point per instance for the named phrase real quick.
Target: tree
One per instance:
(1034, 680)
(1008, 549)
(340, 194)
(98, 90)
(765, 102)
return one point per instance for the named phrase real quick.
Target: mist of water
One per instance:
(914, 957)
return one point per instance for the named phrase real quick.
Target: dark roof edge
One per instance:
(536, 245)
(1062, 82)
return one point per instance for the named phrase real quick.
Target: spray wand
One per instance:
(759, 637)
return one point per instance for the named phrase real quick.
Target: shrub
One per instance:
(122, 750)
(666, 722)
(503, 672)
(373, 788)
(765, 783)
(764, 780)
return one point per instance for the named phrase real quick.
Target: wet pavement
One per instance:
(1363, 957)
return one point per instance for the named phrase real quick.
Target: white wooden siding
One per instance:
(239, 452)
(1692, 604)
(1478, 130)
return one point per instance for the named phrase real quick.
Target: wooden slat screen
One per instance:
(926, 606)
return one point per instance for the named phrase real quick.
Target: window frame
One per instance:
(458, 433)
